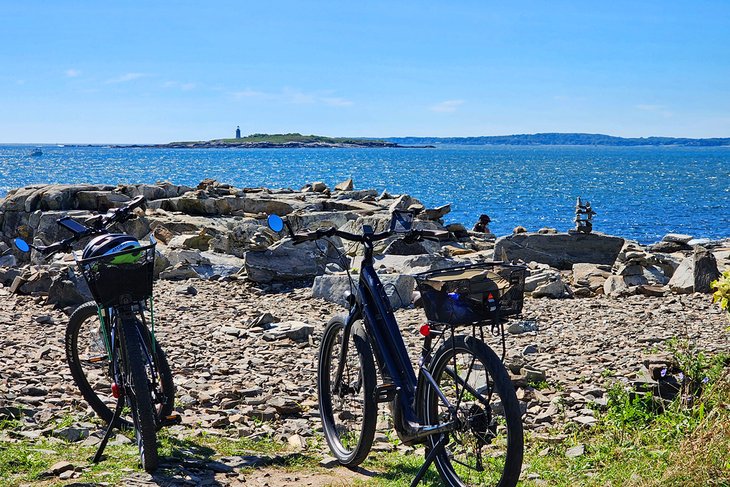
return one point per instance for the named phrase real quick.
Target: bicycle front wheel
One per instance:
(90, 366)
(138, 392)
(487, 445)
(348, 408)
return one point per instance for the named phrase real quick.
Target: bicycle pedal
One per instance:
(386, 392)
(171, 420)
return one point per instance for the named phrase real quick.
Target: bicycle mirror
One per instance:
(22, 245)
(275, 223)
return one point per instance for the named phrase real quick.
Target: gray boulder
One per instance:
(615, 286)
(591, 276)
(677, 237)
(560, 250)
(100, 200)
(179, 272)
(401, 247)
(435, 213)
(184, 256)
(196, 202)
(8, 275)
(345, 185)
(37, 281)
(198, 241)
(539, 277)
(157, 191)
(268, 205)
(318, 187)
(68, 289)
(8, 260)
(360, 194)
(294, 330)
(336, 288)
(668, 247)
(554, 288)
(407, 264)
(48, 197)
(695, 273)
(319, 219)
(285, 261)
(222, 264)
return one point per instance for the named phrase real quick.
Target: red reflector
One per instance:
(425, 330)
(115, 391)
(490, 296)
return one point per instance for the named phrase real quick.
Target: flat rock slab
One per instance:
(560, 250)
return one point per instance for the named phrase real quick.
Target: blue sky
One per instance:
(147, 72)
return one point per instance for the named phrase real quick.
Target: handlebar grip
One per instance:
(300, 238)
(122, 214)
(435, 235)
(136, 202)
(53, 248)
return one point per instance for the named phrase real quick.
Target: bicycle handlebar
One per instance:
(100, 225)
(299, 238)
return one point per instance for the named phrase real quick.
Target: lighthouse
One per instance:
(238, 132)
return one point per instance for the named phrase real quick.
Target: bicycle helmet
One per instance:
(113, 243)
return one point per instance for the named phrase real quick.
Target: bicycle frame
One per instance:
(110, 319)
(373, 307)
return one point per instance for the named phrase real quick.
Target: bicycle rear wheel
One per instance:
(137, 390)
(349, 408)
(91, 367)
(486, 447)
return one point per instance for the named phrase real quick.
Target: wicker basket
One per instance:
(120, 283)
(472, 293)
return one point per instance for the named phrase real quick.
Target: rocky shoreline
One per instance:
(241, 310)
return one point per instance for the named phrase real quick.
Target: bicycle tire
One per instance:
(492, 421)
(137, 393)
(85, 320)
(347, 454)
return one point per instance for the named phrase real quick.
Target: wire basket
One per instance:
(472, 293)
(120, 278)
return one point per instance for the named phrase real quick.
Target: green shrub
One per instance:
(722, 291)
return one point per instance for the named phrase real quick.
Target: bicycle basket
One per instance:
(472, 293)
(120, 283)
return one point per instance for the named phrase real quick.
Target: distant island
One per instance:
(284, 141)
(561, 139)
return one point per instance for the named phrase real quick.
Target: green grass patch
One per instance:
(639, 441)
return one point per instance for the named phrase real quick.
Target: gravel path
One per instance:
(231, 374)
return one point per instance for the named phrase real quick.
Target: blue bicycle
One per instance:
(462, 404)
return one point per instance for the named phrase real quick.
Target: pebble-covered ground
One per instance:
(234, 376)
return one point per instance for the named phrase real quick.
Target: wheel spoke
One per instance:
(475, 382)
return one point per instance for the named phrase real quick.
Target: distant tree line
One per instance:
(562, 139)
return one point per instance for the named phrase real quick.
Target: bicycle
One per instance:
(462, 404)
(113, 354)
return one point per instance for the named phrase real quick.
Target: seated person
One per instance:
(482, 225)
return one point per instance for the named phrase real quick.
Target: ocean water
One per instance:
(639, 193)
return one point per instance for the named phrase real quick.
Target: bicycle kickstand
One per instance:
(438, 447)
(108, 434)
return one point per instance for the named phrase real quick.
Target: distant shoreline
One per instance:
(566, 139)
